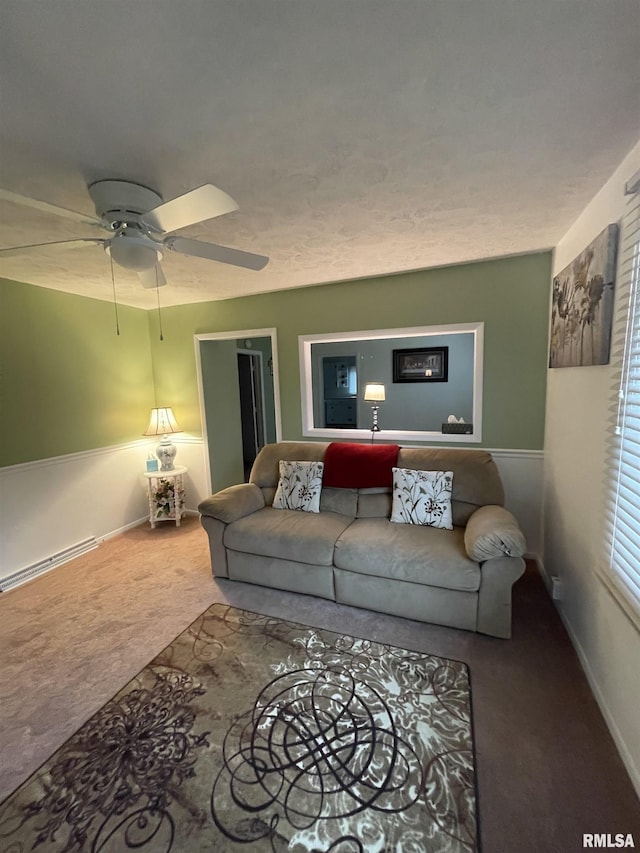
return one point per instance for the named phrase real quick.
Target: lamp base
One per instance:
(374, 425)
(166, 453)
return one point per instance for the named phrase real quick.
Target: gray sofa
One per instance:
(350, 552)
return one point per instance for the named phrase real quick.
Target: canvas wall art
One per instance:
(582, 305)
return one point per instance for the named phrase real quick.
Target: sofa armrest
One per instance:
(233, 503)
(492, 531)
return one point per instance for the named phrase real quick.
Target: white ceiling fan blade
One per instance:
(148, 277)
(46, 207)
(213, 252)
(56, 244)
(205, 202)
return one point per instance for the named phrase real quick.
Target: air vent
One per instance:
(46, 565)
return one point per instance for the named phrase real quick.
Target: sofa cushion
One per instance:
(356, 466)
(288, 534)
(282, 574)
(299, 486)
(476, 480)
(374, 503)
(342, 501)
(422, 497)
(493, 531)
(425, 555)
(265, 472)
(476, 477)
(232, 503)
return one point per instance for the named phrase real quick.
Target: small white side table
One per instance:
(166, 495)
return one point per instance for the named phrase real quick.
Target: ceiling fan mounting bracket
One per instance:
(118, 202)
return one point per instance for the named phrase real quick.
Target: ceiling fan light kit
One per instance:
(142, 224)
(133, 251)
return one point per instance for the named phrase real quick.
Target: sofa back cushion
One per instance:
(476, 479)
(374, 503)
(343, 501)
(266, 471)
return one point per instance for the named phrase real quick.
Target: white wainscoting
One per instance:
(522, 475)
(51, 505)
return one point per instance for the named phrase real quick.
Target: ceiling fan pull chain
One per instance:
(159, 312)
(115, 301)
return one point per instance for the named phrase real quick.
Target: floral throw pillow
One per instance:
(299, 486)
(422, 497)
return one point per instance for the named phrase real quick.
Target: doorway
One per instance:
(226, 431)
(252, 413)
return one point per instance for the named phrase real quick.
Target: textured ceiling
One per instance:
(359, 137)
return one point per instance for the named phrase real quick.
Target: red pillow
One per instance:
(359, 466)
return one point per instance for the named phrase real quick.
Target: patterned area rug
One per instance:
(252, 733)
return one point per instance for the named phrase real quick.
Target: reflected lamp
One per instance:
(374, 393)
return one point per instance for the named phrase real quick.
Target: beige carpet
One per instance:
(547, 768)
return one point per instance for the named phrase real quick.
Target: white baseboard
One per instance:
(627, 758)
(143, 520)
(124, 528)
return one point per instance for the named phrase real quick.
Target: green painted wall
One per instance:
(510, 295)
(67, 381)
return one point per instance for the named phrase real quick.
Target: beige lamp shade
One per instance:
(374, 392)
(162, 422)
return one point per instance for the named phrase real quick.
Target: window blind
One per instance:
(623, 469)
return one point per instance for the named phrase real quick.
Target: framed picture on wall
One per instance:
(582, 305)
(425, 364)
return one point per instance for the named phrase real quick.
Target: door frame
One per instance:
(198, 340)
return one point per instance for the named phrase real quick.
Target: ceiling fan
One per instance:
(142, 225)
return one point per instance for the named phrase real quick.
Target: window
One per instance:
(623, 572)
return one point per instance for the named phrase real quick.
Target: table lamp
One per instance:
(374, 392)
(163, 422)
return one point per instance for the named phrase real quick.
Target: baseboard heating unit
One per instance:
(47, 564)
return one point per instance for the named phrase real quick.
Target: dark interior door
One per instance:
(251, 414)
